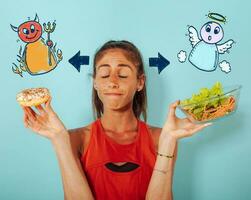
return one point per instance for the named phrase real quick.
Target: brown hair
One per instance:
(133, 54)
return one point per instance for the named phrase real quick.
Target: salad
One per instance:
(210, 103)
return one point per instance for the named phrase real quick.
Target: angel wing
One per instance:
(222, 48)
(193, 36)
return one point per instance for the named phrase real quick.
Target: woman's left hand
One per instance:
(176, 128)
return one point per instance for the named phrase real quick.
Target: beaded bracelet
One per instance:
(167, 156)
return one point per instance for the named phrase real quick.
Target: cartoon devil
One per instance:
(38, 57)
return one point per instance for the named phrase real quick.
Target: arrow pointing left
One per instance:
(78, 60)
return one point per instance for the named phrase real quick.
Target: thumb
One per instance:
(172, 109)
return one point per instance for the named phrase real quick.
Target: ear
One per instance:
(95, 85)
(141, 82)
(14, 28)
(36, 18)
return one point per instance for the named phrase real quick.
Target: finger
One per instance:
(25, 119)
(26, 116)
(31, 113)
(29, 124)
(26, 125)
(199, 128)
(40, 109)
(48, 103)
(172, 108)
(23, 107)
(187, 133)
(186, 123)
(28, 113)
(186, 119)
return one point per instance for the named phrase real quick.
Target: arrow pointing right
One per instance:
(161, 62)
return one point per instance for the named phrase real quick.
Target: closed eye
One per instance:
(119, 76)
(122, 76)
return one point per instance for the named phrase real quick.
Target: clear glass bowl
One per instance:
(200, 112)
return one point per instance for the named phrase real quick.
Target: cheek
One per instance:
(22, 36)
(101, 84)
(38, 31)
(204, 35)
(217, 37)
(130, 91)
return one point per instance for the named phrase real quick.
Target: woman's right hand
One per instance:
(45, 122)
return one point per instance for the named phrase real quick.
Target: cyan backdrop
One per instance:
(214, 164)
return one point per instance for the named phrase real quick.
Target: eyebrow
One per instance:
(119, 65)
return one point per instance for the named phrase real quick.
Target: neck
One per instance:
(119, 121)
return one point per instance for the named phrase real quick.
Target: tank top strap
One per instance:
(147, 146)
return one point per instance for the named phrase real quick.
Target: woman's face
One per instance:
(116, 80)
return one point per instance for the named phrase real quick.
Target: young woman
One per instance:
(117, 156)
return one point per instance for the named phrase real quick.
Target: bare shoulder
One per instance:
(79, 138)
(155, 133)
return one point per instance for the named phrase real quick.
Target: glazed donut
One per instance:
(33, 96)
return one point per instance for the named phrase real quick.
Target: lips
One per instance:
(112, 93)
(116, 94)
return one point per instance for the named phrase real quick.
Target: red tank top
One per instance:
(110, 185)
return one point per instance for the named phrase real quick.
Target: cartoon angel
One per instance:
(206, 50)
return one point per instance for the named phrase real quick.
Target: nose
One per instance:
(113, 81)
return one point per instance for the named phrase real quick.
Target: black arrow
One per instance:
(78, 60)
(161, 62)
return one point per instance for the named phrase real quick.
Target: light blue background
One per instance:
(212, 165)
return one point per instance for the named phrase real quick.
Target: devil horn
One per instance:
(14, 28)
(36, 18)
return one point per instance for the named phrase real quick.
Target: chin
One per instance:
(114, 107)
(119, 107)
